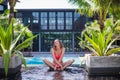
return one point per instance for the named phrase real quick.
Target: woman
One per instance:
(58, 52)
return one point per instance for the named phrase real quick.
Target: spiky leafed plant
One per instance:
(17, 25)
(101, 8)
(100, 42)
(9, 46)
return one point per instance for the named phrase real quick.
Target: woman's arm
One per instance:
(62, 54)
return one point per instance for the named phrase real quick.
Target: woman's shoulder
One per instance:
(63, 48)
(52, 49)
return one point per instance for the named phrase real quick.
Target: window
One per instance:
(35, 46)
(68, 20)
(35, 17)
(60, 20)
(79, 21)
(19, 17)
(52, 21)
(76, 42)
(26, 21)
(48, 37)
(44, 20)
(76, 16)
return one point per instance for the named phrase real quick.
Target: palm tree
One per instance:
(12, 4)
(101, 8)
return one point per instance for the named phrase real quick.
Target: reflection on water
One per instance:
(16, 76)
(58, 76)
(102, 78)
(71, 73)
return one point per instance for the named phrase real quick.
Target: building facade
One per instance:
(51, 21)
(3, 6)
(50, 24)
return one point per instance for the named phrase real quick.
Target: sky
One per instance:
(44, 4)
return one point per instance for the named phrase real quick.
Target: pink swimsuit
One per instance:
(57, 57)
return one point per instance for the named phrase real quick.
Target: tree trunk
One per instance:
(11, 14)
(101, 22)
(102, 18)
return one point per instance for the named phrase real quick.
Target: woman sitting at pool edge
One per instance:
(58, 52)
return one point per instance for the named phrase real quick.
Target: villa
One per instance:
(55, 19)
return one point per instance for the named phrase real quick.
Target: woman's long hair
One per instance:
(61, 45)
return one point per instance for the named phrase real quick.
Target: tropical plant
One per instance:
(9, 46)
(11, 11)
(11, 4)
(100, 42)
(117, 28)
(18, 26)
(101, 8)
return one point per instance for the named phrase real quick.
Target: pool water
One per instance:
(34, 60)
(39, 60)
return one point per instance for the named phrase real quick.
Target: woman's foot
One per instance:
(51, 69)
(55, 68)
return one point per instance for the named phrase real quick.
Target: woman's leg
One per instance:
(68, 63)
(47, 62)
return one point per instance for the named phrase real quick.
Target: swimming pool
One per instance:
(34, 60)
(39, 60)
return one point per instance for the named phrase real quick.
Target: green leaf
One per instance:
(94, 45)
(16, 40)
(112, 51)
(7, 57)
(93, 50)
(1, 1)
(25, 43)
(108, 38)
(8, 36)
(82, 42)
(101, 41)
(109, 45)
(22, 57)
(2, 36)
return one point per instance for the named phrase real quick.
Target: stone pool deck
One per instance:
(71, 73)
(43, 73)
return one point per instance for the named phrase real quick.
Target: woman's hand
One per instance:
(58, 66)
